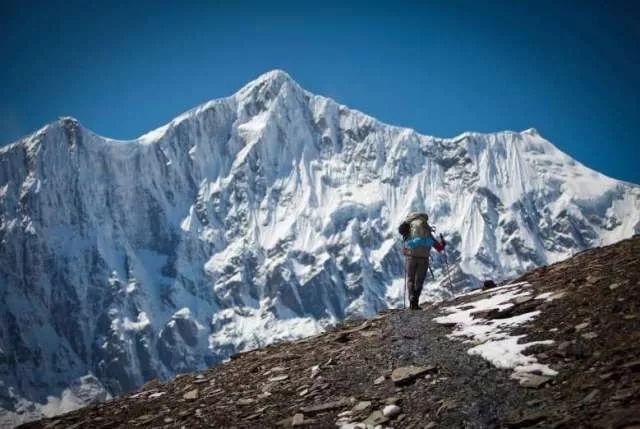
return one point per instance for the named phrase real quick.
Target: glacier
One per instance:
(257, 218)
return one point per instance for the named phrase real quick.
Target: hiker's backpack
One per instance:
(419, 226)
(405, 230)
(416, 225)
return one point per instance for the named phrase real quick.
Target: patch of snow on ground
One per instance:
(492, 339)
(507, 353)
(550, 296)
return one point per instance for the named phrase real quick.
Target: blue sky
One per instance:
(571, 71)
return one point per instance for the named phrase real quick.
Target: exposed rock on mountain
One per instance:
(574, 364)
(256, 218)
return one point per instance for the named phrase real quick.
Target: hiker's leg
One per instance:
(421, 274)
(412, 266)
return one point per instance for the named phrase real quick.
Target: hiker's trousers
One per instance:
(417, 268)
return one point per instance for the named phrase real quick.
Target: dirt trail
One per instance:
(469, 391)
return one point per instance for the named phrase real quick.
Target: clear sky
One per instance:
(570, 70)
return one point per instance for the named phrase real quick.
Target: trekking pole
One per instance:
(446, 264)
(430, 269)
(406, 274)
(404, 291)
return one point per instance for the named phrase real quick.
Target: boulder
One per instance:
(488, 284)
(533, 381)
(325, 406)
(407, 374)
(361, 406)
(376, 418)
(191, 395)
(391, 411)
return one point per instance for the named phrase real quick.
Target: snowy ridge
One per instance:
(260, 217)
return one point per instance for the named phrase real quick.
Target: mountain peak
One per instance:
(68, 122)
(275, 75)
(273, 80)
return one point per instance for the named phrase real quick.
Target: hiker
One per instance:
(418, 240)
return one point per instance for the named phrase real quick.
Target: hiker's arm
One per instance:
(439, 245)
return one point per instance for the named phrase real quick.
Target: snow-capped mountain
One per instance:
(251, 219)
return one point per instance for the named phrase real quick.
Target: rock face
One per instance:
(264, 216)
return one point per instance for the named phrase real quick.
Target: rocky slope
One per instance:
(267, 215)
(580, 319)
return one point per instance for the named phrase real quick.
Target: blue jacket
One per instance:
(420, 241)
